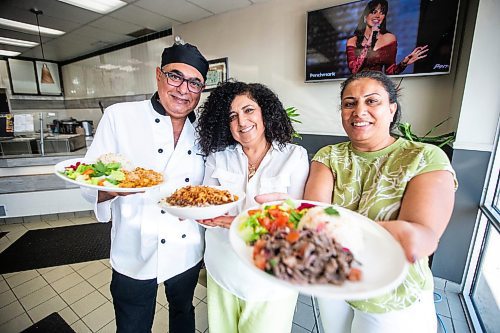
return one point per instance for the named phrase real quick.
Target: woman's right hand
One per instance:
(268, 197)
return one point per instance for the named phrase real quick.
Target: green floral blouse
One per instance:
(373, 184)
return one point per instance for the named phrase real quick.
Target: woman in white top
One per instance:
(246, 134)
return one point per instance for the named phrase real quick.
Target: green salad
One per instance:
(99, 173)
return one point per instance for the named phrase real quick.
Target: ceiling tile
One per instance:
(178, 10)
(114, 25)
(220, 6)
(143, 17)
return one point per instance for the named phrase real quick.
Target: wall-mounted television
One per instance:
(380, 35)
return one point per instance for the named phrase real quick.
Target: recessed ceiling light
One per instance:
(17, 42)
(98, 6)
(29, 27)
(9, 53)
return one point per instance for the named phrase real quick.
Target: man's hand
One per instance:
(105, 196)
(223, 221)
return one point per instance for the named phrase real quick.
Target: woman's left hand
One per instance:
(414, 238)
(417, 54)
(223, 221)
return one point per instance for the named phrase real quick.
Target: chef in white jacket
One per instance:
(148, 245)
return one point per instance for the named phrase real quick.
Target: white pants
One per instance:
(339, 317)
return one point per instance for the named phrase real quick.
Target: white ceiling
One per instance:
(87, 31)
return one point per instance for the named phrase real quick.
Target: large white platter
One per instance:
(384, 265)
(59, 171)
(199, 213)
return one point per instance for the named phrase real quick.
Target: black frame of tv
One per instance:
(413, 22)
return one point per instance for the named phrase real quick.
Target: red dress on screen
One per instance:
(382, 59)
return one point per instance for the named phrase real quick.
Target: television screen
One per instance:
(399, 37)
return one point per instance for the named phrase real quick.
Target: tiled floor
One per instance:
(80, 294)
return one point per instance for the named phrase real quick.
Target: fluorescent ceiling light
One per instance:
(9, 53)
(17, 42)
(98, 6)
(29, 27)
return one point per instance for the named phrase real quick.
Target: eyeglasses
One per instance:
(176, 80)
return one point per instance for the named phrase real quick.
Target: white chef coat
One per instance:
(146, 242)
(283, 171)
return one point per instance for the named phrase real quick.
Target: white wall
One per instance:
(128, 71)
(266, 43)
(480, 109)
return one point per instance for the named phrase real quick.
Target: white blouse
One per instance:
(283, 171)
(146, 242)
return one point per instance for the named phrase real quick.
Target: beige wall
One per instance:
(266, 43)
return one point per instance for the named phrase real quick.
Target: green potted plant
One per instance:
(293, 114)
(443, 141)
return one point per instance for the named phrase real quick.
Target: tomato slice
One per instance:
(293, 236)
(253, 212)
(260, 261)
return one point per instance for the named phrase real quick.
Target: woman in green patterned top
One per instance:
(407, 187)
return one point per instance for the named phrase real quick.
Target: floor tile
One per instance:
(17, 324)
(461, 326)
(80, 327)
(60, 223)
(29, 286)
(160, 295)
(38, 297)
(200, 292)
(446, 322)
(88, 304)
(441, 303)
(3, 286)
(304, 316)
(68, 315)
(57, 273)
(37, 225)
(77, 292)
(105, 291)
(43, 310)
(10, 311)
(91, 269)
(67, 282)
(110, 328)
(46, 269)
(201, 316)
(14, 236)
(6, 298)
(306, 299)
(20, 278)
(101, 278)
(106, 262)
(13, 227)
(456, 309)
(100, 317)
(80, 265)
(298, 329)
(160, 323)
(83, 220)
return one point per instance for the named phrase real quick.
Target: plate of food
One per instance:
(199, 202)
(319, 249)
(110, 173)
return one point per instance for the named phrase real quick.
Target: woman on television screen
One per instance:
(373, 47)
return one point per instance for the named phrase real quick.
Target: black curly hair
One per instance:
(213, 122)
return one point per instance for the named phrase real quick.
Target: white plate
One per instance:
(199, 213)
(59, 171)
(384, 265)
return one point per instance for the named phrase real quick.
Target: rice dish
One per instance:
(116, 158)
(341, 227)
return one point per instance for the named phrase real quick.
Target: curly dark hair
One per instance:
(213, 122)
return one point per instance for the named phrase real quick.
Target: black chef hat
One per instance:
(186, 54)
